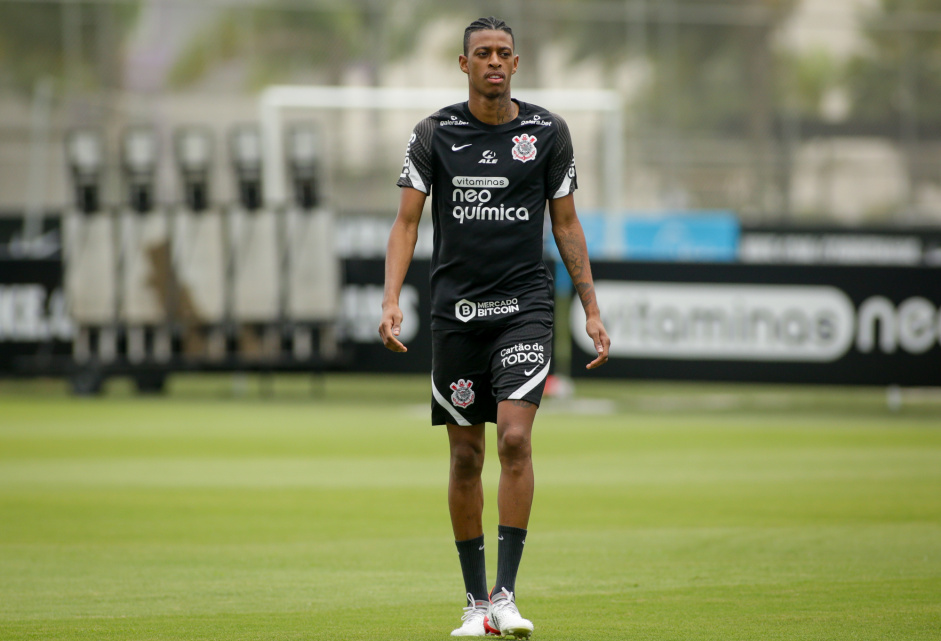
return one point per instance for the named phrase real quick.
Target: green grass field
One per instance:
(663, 511)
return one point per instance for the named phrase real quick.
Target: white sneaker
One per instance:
(504, 617)
(474, 619)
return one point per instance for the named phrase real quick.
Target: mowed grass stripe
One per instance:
(133, 579)
(753, 465)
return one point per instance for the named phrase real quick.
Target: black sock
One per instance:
(473, 567)
(509, 553)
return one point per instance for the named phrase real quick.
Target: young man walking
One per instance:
(490, 165)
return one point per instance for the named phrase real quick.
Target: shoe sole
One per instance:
(516, 633)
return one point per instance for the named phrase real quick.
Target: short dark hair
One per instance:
(487, 24)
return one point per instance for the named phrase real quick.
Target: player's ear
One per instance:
(462, 61)
(516, 63)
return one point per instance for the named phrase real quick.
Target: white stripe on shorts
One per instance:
(530, 384)
(443, 402)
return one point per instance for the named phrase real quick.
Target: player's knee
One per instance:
(515, 446)
(467, 460)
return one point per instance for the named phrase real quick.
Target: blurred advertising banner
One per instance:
(34, 321)
(709, 236)
(362, 311)
(840, 246)
(767, 323)
(702, 235)
(689, 236)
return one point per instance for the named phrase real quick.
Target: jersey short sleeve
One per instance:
(416, 169)
(561, 171)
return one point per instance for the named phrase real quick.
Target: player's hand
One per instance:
(390, 327)
(599, 337)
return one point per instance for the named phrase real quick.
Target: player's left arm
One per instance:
(570, 239)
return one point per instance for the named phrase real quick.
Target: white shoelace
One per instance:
(506, 603)
(472, 610)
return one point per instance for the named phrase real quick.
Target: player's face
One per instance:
(489, 62)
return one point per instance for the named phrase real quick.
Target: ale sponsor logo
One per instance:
(489, 158)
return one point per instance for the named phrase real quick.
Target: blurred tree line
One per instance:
(706, 68)
(710, 65)
(76, 44)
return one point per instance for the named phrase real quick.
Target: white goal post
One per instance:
(276, 100)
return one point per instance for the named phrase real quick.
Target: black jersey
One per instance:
(489, 185)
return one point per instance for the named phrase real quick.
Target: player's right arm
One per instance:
(399, 254)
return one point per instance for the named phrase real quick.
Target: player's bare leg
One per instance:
(515, 500)
(465, 490)
(514, 445)
(466, 502)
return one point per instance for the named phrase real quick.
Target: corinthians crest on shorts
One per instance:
(463, 395)
(525, 148)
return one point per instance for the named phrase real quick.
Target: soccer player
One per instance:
(490, 165)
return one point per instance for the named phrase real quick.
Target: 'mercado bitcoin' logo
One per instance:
(465, 310)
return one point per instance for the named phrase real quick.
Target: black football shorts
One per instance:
(473, 370)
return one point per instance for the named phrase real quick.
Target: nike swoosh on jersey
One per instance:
(456, 148)
(525, 373)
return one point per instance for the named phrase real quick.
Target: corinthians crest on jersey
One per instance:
(524, 148)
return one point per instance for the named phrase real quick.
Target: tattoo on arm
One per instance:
(586, 292)
(575, 257)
